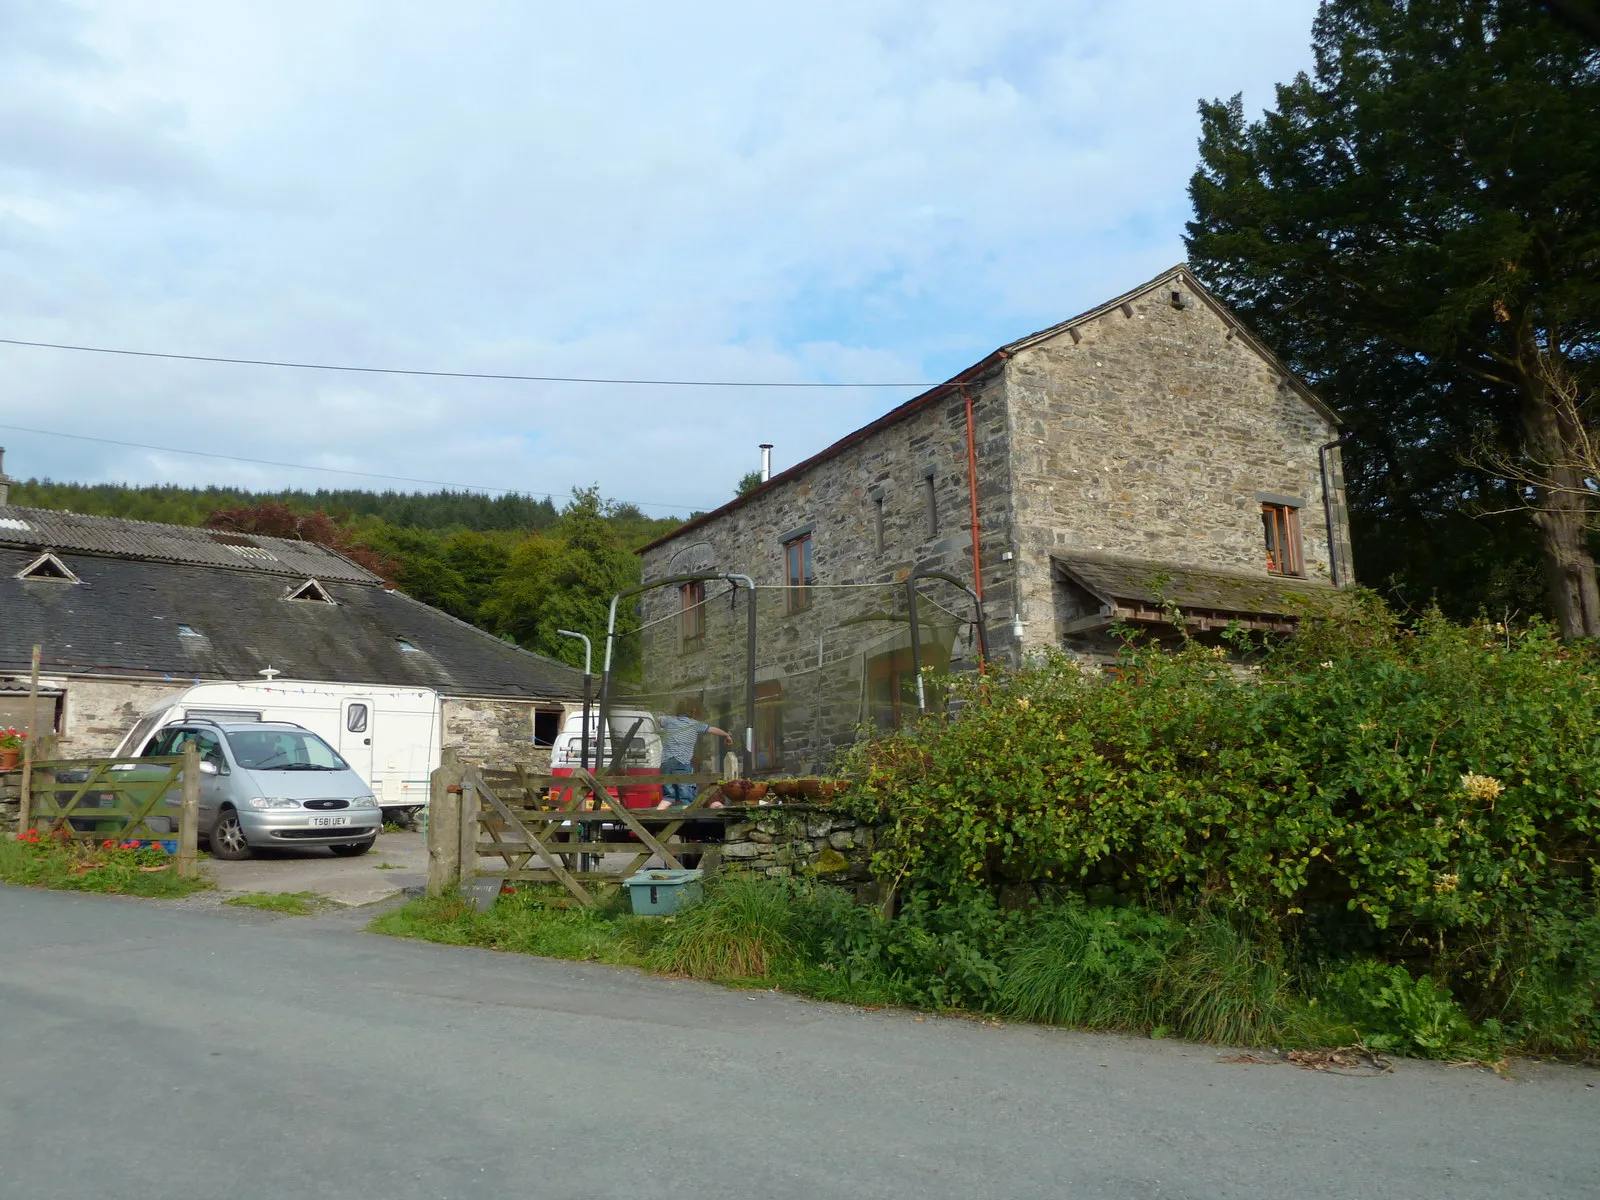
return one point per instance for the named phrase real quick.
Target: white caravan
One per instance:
(390, 736)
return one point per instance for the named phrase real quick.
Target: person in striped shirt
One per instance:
(679, 735)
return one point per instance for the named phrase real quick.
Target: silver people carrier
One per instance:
(272, 784)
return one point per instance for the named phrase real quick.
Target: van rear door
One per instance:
(356, 717)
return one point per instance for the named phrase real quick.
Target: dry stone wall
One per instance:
(807, 843)
(10, 800)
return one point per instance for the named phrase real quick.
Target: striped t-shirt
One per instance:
(678, 738)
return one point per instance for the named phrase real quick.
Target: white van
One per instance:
(389, 736)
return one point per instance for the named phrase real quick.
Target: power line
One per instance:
(302, 366)
(267, 462)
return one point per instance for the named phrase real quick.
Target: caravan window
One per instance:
(355, 718)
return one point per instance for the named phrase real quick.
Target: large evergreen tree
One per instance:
(1416, 226)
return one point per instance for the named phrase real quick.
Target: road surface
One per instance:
(149, 1050)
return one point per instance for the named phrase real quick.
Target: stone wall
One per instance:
(814, 662)
(1153, 435)
(496, 732)
(96, 713)
(10, 800)
(813, 843)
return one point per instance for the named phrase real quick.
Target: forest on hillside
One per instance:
(516, 566)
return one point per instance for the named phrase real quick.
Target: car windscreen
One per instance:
(284, 750)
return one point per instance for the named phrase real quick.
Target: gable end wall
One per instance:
(1150, 436)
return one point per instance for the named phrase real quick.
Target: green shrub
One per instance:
(1394, 1012)
(1421, 794)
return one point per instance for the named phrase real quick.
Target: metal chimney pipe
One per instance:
(766, 461)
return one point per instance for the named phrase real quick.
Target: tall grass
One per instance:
(743, 929)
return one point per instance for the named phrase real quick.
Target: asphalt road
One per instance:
(148, 1050)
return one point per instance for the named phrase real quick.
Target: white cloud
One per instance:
(874, 189)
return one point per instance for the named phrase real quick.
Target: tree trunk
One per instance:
(1561, 510)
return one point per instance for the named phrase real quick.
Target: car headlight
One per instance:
(364, 802)
(272, 802)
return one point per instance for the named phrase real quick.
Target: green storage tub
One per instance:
(657, 893)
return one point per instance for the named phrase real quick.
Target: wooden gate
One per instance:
(128, 799)
(518, 827)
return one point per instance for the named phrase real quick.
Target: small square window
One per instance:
(1281, 525)
(798, 573)
(546, 726)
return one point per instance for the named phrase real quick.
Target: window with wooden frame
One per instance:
(769, 725)
(1281, 524)
(798, 572)
(693, 599)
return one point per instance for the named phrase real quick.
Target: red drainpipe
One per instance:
(972, 493)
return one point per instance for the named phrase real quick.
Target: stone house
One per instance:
(126, 612)
(1148, 453)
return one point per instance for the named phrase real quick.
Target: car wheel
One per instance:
(351, 849)
(227, 837)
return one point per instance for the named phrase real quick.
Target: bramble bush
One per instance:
(1425, 796)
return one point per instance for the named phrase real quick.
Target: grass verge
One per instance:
(1198, 975)
(104, 867)
(292, 904)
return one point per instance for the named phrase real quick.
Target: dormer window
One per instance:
(189, 631)
(50, 568)
(310, 590)
(405, 647)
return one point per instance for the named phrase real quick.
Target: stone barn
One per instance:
(1146, 456)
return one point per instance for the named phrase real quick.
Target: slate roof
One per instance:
(123, 618)
(1131, 582)
(47, 529)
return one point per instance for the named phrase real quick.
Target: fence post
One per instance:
(25, 793)
(189, 817)
(471, 804)
(444, 825)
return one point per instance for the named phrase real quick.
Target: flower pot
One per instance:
(8, 759)
(811, 789)
(736, 790)
(785, 789)
(756, 792)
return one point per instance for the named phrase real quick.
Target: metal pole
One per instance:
(916, 644)
(588, 679)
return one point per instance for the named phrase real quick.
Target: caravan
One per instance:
(390, 736)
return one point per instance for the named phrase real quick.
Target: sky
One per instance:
(841, 191)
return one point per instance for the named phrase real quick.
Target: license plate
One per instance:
(319, 822)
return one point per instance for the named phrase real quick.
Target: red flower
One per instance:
(107, 844)
(130, 845)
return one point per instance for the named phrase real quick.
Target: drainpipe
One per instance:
(1323, 451)
(972, 493)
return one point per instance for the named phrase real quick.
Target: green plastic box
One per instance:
(657, 893)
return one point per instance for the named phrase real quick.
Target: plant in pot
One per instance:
(11, 748)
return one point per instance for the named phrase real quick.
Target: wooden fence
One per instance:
(515, 826)
(91, 799)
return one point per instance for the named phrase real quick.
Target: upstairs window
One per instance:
(798, 573)
(1281, 524)
(930, 503)
(693, 599)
